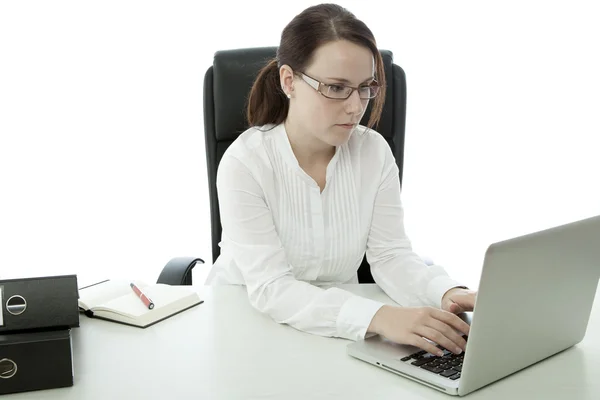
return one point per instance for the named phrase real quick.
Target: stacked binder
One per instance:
(36, 317)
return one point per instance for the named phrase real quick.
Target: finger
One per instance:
(452, 320)
(466, 301)
(455, 308)
(423, 344)
(459, 343)
(439, 338)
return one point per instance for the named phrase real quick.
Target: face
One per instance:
(329, 121)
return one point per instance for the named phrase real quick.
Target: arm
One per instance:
(401, 273)
(258, 252)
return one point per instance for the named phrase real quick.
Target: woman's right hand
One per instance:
(410, 325)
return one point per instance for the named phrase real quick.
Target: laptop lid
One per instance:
(534, 300)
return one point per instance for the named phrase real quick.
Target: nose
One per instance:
(354, 104)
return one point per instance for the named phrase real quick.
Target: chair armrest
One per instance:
(178, 271)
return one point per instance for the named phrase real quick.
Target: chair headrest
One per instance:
(234, 72)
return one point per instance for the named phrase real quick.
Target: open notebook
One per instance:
(114, 300)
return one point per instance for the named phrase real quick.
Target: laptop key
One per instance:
(406, 358)
(454, 377)
(418, 354)
(432, 368)
(448, 373)
(420, 362)
(458, 368)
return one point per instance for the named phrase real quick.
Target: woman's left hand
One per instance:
(458, 300)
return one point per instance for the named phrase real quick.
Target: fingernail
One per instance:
(458, 350)
(440, 353)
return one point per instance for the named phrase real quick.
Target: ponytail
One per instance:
(267, 104)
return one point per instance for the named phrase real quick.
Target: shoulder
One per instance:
(251, 141)
(248, 151)
(370, 145)
(367, 138)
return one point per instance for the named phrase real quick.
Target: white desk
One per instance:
(224, 349)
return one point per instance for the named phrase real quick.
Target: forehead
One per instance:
(343, 59)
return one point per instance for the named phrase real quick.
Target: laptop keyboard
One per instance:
(449, 365)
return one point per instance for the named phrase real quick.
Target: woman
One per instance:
(306, 191)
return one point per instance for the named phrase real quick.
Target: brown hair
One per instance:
(315, 26)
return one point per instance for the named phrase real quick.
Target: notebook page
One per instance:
(129, 305)
(96, 295)
(165, 295)
(161, 295)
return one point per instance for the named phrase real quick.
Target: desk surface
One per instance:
(224, 349)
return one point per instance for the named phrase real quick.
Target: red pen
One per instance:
(145, 299)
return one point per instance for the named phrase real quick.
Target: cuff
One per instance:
(438, 287)
(355, 317)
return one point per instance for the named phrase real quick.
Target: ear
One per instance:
(286, 79)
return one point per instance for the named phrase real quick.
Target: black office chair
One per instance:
(227, 84)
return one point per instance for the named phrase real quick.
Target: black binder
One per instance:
(35, 361)
(44, 303)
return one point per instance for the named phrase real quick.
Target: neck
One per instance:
(306, 147)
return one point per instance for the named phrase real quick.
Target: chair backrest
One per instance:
(227, 84)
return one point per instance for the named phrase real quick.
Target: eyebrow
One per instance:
(342, 80)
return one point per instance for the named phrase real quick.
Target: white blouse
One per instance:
(290, 244)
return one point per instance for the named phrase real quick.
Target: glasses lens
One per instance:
(365, 92)
(369, 92)
(337, 91)
(343, 92)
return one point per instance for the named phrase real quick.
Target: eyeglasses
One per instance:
(338, 91)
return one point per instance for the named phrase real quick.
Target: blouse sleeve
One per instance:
(258, 252)
(395, 267)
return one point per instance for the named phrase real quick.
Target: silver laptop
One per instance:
(534, 300)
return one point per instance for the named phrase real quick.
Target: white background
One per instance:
(102, 166)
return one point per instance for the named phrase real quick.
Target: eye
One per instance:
(337, 88)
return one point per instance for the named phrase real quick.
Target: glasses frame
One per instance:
(317, 85)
